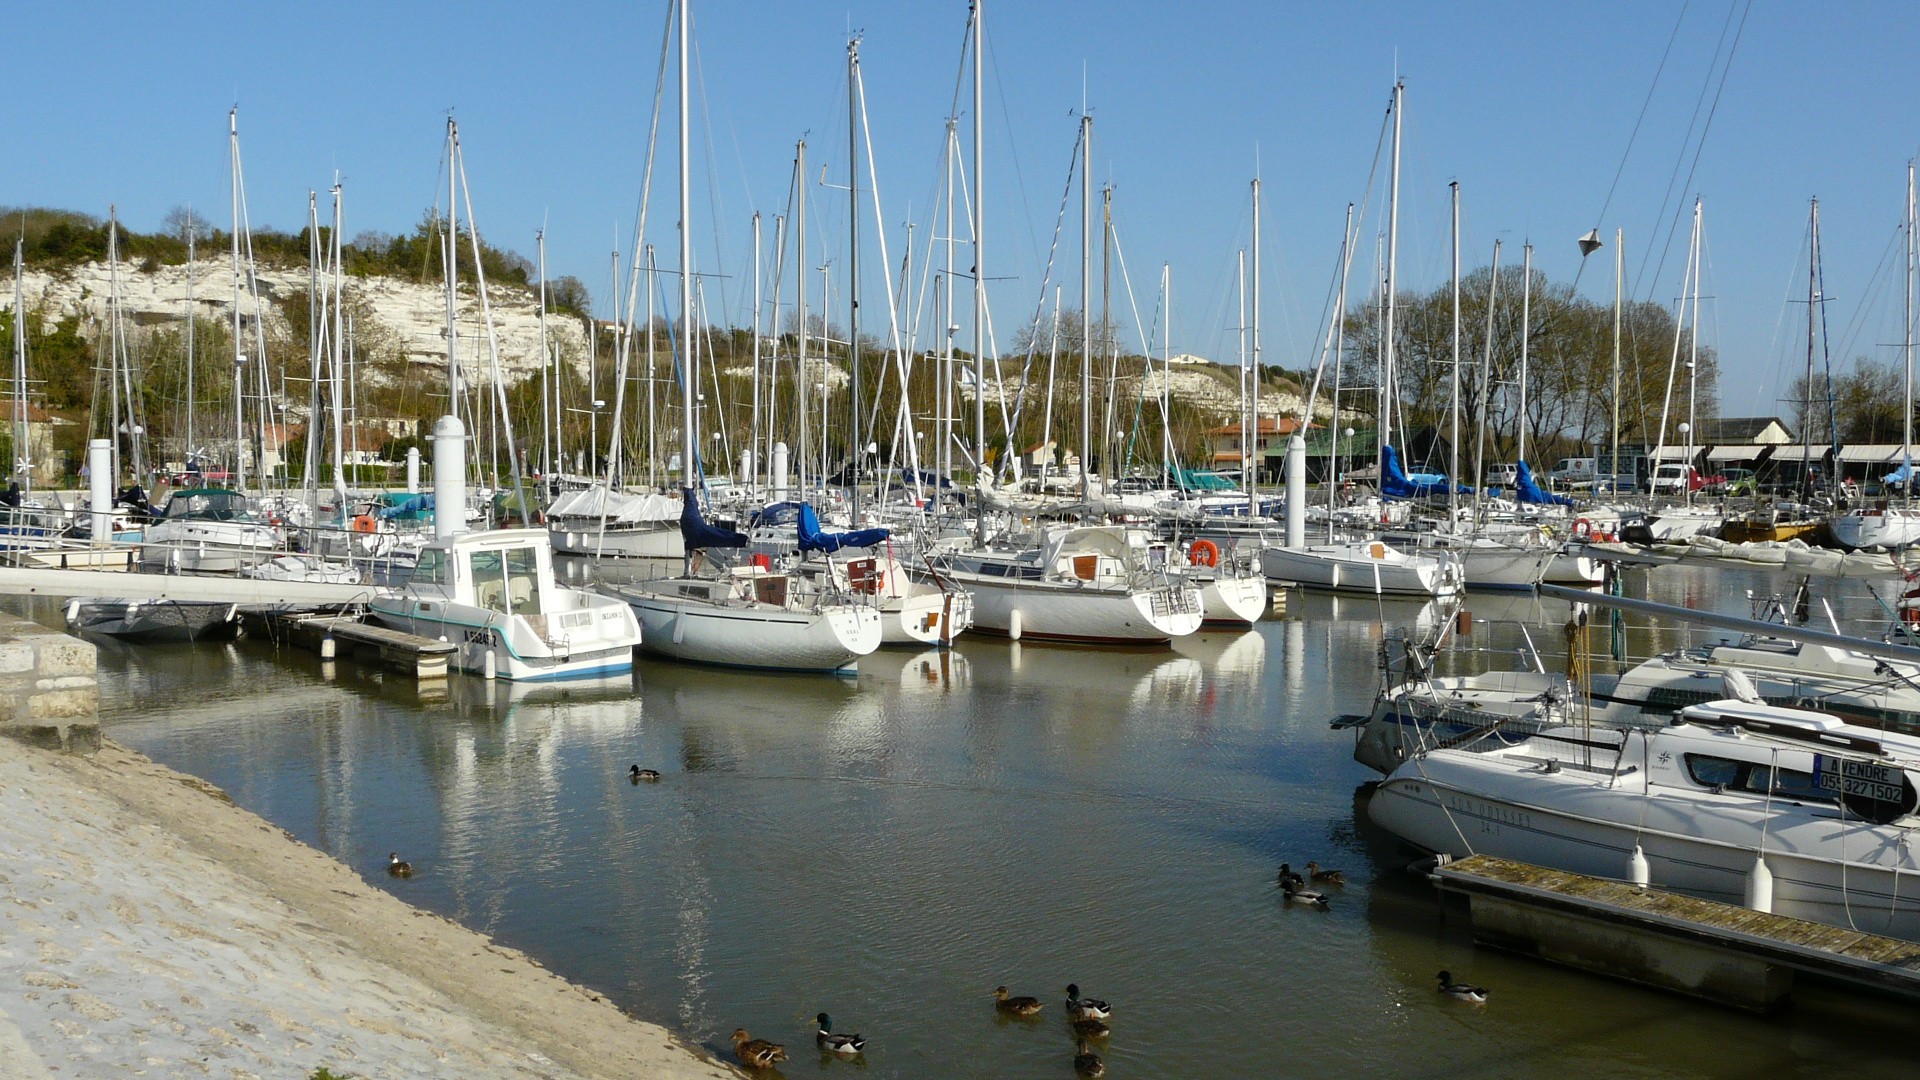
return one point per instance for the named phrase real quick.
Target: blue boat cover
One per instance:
(1395, 483)
(410, 507)
(697, 533)
(812, 539)
(1529, 492)
(927, 477)
(1901, 475)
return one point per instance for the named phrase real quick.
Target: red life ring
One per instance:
(364, 523)
(1203, 553)
(1582, 529)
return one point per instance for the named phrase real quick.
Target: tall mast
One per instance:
(23, 460)
(239, 350)
(1086, 310)
(949, 327)
(1693, 343)
(689, 439)
(1906, 413)
(1619, 303)
(339, 358)
(547, 381)
(1334, 430)
(753, 441)
(452, 265)
(1526, 334)
(192, 310)
(1813, 307)
(1453, 438)
(853, 264)
(980, 270)
(1250, 379)
(113, 335)
(800, 401)
(1486, 392)
(1389, 301)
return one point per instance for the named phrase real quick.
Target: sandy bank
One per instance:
(150, 927)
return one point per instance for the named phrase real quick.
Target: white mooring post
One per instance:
(1296, 491)
(449, 477)
(413, 470)
(100, 480)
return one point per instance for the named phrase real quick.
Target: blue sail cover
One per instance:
(1901, 475)
(697, 533)
(812, 539)
(1529, 491)
(1396, 484)
(926, 477)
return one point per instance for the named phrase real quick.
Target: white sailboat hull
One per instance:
(1230, 601)
(1370, 567)
(1079, 613)
(695, 630)
(618, 541)
(1893, 529)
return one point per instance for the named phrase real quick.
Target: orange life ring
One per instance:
(364, 523)
(1582, 529)
(1203, 553)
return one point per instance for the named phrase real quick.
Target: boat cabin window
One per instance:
(506, 581)
(431, 569)
(1728, 774)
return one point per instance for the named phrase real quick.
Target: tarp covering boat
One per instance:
(695, 531)
(1395, 483)
(1529, 491)
(1901, 475)
(813, 539)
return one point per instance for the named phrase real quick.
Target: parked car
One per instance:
(1574, 472)
(1505, 475)
(1672, 479)
(200, 477)
(1733, 481)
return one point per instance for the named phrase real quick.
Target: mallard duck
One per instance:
(1089, 1029)
(1088, 1063)
(1463, 991)
(1298, 895)
(1288, 877)
(839, 1044)
(1016, 1006)
(1085, 1008)
(637, 774)
(1325, 877)
(397, 868)
(756, 1053)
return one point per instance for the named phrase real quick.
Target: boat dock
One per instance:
(423, 658)
(228, 589)
(1721, 952)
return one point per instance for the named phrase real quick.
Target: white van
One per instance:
(1505, 474)
(1574, 472)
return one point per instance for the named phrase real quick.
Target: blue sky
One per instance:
(1529, 106)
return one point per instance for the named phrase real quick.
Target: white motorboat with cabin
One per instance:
(1785, 810)
(209, 530)
(494, 595)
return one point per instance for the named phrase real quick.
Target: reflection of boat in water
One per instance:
(154, 621)
(1226, 653)
(933, 669)
(1313, 606)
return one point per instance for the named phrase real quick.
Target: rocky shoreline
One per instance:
(148, 926)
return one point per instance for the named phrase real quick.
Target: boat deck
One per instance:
(1775, 942)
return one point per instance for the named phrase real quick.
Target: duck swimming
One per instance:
(838, 1044)
(1088, 1063)
(1016, 1006)
(1085, 1008)
(756, 1053)
(1297, 894)
(1288, 877)
(1463, 991)
(1325, 877)
(397, 868)
(638, 774)
(1090, 1029)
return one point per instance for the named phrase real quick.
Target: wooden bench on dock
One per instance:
(420, 657)
(1722, 952)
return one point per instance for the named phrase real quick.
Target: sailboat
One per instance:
(747, 616)
(1882, 523)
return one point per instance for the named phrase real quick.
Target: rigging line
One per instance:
(1856, 322)
(1699, 147)
(716, 205)
(1046, 279)
(1645, 104)
(644, 202)
(1019, 174)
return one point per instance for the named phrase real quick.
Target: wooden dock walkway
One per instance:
(1723, 952)
(421, 657)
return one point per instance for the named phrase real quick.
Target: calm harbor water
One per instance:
(890, 848)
